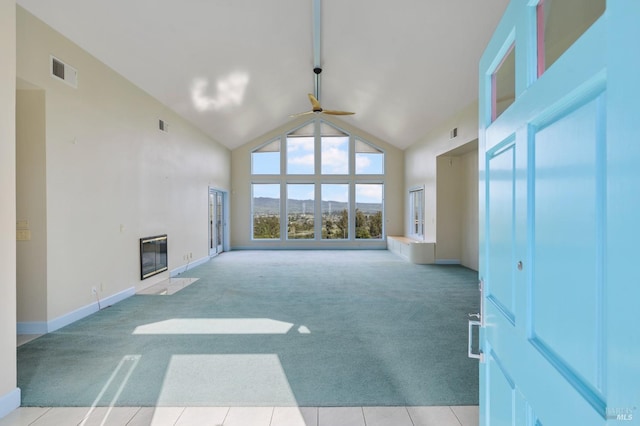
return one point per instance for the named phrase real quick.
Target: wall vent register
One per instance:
(64, 72)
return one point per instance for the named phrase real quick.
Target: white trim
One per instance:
(73, 316)
(448, 262)
(184, 268)
(9, 402)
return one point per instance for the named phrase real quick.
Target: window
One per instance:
(369, 210)
(335, 211)
(416, 210)
(300, 211)
(266, 211)
(503, 82)
(317, 169)
(369, 159)
(334, 154)
(301, 151)
(266, 159)
(560, 24)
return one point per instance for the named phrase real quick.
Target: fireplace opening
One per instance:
(153, 256)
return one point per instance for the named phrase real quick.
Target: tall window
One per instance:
(335, 211)
(266, 211)
(320, 170)
(416, 209)
(300, 211)
(369, 210)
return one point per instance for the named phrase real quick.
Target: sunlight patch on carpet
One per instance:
(232, 379)
(218, 326)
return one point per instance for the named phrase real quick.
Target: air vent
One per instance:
(64, 72)
(453, 133)
(163, 125)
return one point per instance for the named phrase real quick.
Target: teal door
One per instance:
(559, 211)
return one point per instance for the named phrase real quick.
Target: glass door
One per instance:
(216, 222)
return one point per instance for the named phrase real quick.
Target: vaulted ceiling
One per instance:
(238, 68)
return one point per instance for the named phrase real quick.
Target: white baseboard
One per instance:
(448, 262)
(34, 327)
(71, 317)
(9, 402)
(184, 268)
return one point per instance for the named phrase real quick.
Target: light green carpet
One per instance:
(271, 328)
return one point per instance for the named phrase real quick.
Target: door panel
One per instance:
(501, 393)
(566, 171)
(501, 222)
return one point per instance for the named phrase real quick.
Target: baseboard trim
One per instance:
(39, 327)
(378, 245)
(184, 268)
(71, 317)
(9, 402)
(448, 262)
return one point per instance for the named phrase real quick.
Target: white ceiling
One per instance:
(238, 68)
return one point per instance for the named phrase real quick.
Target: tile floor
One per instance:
(244, 416)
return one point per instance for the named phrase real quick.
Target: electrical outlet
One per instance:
(94, 290)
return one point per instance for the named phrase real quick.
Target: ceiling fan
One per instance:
(315, 103)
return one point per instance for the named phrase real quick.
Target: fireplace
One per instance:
(153, 256)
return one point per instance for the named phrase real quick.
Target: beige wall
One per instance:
(457, 206)
(241, 190)
(111, 176)
(421, 168)
(9, 394)
(469, 242)
(31, 211)
(449, 208)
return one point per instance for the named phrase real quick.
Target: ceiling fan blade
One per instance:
(314, 103)
(301, 114)
(332, 112)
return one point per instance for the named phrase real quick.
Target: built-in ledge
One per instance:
(415, 251)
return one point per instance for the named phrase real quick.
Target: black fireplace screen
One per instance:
(153, 256)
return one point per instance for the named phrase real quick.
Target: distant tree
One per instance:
(375, 225)
(266, 227)
(343, 224)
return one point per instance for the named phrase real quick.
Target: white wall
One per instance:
(241, 190)
(9, 393)
(421, 168)
(111, 176)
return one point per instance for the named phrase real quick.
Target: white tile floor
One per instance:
(244, 416)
